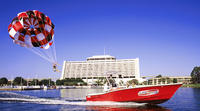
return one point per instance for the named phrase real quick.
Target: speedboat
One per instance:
(151, 94)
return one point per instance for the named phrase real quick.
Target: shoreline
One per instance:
(191, 85)
(20, 88)
(77, 87)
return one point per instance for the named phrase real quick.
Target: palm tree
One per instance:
(3, 81)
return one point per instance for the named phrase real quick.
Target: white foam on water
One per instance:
(14, 95)
(63, 102)
(8, 96)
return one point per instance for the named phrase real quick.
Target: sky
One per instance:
(163, 34)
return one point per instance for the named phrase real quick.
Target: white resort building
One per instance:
(101, 66)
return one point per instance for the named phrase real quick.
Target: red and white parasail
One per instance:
(34, 30)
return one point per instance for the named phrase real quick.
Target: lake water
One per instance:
(185, 99)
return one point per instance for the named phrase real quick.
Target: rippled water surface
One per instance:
(185, 99)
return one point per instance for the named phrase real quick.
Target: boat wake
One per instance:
(15, 97)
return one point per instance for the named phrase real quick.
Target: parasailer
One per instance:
(55, 67)
(35, 31)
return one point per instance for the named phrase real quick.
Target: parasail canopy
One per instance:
(32, 29)
(35, 31)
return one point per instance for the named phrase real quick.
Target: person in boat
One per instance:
(130, 85)
(110, 84)
(112, 81)
(106, 87)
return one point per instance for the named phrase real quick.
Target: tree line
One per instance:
(19, 81)
(22, 82)
(71, 82)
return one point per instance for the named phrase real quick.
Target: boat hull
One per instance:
(149, 94)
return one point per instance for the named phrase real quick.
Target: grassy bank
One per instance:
(191, 85)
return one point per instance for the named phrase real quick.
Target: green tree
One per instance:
(34, 82)
(99, 82)
(158, 76)
(175, 80)
(59, 82)
(3, 81)
(19, 81)
(195, 74)
(47, 82)
(163, 80)
(72, 82)
(169, 80)
(145, 83)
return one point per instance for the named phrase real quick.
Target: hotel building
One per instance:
(101, 66)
